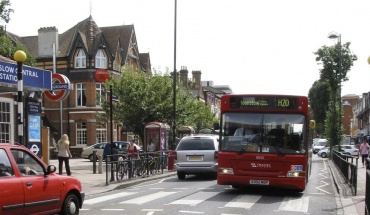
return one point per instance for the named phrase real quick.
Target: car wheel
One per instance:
(181, 175)
(323, 155)
(91, 158)
(71, 205)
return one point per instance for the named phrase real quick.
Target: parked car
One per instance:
(121, 146)
(324, 152)
(29, 186)
(350, 150)
(196, 155)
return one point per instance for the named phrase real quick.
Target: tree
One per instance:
(146, 98)
(8, 48)
(337, 61)
(5, 11)
(319, 96)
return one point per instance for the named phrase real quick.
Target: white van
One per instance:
(319, 144)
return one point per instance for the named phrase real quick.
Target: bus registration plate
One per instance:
(259, 182)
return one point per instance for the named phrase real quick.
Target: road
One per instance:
(199, 195)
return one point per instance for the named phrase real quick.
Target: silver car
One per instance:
(197, 155)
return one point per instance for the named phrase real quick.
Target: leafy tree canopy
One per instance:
(147, 98)
(5, 10)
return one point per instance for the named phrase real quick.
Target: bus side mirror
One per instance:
(216, 126)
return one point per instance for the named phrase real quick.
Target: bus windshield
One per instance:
(263, 133)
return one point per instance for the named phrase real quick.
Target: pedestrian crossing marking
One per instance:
(147, 198)
(107, 198)
(195, 198)
(243, 202)
(295, 204)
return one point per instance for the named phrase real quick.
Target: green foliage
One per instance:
(319, 96)
(8, 48)
(147, 98)
(5, 11)
(337, 61)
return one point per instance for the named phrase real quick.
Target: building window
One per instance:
(80, 60)
(81, 95)
(81, 138)
(5, 122)
(101, 132)
(101, 59)
(101, 94)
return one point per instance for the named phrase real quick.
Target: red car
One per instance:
(29, 186)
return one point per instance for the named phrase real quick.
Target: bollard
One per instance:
(94, 162)
(100, 157)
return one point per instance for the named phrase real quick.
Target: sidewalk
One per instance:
(96, 183)
(348, 204)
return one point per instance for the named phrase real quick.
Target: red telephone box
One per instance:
(158, 132)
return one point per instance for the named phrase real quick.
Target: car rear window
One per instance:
(196, 144)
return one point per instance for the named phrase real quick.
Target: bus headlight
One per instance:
(296, 174)
(228, 171)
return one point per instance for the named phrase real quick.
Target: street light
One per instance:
(174, 81)
(334, 35)
(20, 57)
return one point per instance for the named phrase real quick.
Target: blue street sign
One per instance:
(32, 77)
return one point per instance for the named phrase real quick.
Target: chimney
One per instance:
(197, 77)
(46, 37)
(184, 76)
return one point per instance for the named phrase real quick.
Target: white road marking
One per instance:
(195, 198)
(295, 204)
(147, 198)
(243, 202)
(192, 212)
(107, 198)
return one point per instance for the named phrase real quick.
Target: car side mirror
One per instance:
(51, 169)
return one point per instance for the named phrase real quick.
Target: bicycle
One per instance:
(122, 168)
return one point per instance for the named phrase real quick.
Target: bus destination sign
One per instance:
(264, 103)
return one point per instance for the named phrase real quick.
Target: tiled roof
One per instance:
(91, 35)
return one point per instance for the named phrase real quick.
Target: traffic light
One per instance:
(312, 124)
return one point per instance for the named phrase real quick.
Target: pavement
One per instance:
(347, 202)
(95, 183)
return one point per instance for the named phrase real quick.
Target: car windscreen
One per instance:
(196, 144)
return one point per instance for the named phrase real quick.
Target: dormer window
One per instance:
(101, 59)
(80, 60)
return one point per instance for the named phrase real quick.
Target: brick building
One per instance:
(78, 54)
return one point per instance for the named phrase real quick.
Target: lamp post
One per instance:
(334, 35)
(174, 82)
(20, 57)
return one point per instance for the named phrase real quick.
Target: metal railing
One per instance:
(119, 167)
(347, 165)
(367, 192)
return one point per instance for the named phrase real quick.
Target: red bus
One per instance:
(264, 141)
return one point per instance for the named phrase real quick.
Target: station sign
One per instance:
(33, 78)
(61, 88)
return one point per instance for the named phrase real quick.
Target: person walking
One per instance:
(364, 150)
(64, 154)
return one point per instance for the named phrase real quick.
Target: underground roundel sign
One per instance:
(61, 87)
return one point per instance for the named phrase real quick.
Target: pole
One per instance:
(340, 92)
(174, 82)
(60, 102)
(20, 102)
(20, 57)
(111, 132)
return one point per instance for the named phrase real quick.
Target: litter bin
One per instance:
(171, 160)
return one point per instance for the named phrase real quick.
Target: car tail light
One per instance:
(216, 155)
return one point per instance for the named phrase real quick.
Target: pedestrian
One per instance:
(364, 150)
(64, 154)
(151, 148)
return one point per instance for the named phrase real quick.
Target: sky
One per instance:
(253, 46)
